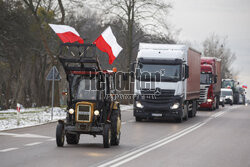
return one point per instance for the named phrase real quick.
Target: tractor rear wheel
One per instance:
(115, 127)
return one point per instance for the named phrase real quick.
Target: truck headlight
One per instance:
(209, 100)
(96, 113)
(71, 111)
(175, 106)
(139, 105)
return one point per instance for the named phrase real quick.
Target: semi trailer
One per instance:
(167, 82)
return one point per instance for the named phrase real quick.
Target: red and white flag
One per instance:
(244, 86)
(66, 33)
(106, 42)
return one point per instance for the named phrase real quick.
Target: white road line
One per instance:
(155, 147)
(138, 150)
(26, 135)
(32, 144)
(145, 149)
(8, 149)
(53, 139)
(220, 114)
(123, 123)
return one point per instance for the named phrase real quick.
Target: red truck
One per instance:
(210, 83)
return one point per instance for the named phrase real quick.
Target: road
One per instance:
(218, 138)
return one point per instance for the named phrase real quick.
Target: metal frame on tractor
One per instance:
(96, 113)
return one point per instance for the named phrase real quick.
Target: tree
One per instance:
(144, 14)
(214, 46)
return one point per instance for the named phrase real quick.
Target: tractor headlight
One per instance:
(139, 105)
(175, 106)
(209, 100)
(96, 113)
(71, 111)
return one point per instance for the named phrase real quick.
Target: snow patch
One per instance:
(35, 116)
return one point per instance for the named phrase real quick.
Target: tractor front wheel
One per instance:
(106, 136)
(60, 135)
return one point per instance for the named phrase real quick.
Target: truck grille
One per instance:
(163, 92)
(83, 113)
(163, 95)
(203, 94)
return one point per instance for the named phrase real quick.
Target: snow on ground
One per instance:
(29, 117)
(35, 116)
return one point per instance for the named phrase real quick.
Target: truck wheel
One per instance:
(186, 112)
(223, 104)
(138, 119)
(217, 103)
(60, 135)
(115, 127)
(72, 138)
(106, 136)
(231, 103)
(192, 113)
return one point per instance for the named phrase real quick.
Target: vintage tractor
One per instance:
(91, 106)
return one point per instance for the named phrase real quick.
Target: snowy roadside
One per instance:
(35, 116)
(29, 117)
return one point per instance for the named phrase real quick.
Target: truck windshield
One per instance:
(206, 79)
(226, 93)
(164, 71)
(226, 84)
(83, 88)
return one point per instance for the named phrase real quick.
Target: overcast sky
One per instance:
(197, 19)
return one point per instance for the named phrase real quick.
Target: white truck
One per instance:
(167, 81)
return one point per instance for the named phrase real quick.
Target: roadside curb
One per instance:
(29, 126)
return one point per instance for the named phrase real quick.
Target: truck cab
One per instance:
(160, 88)
(232, 84)
(210, 83)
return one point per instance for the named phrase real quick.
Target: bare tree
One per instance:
(144, 13)
(214, 46)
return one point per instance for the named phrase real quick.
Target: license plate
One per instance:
(156, 115)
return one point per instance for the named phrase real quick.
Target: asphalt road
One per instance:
(220, 138)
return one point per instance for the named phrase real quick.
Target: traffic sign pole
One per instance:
(53, 76)
(53, 85)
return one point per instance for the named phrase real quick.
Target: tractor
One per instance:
(91, 104)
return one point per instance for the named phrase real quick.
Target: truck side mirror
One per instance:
(186, 71)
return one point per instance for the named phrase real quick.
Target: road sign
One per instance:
(53, 76)
(54, 72)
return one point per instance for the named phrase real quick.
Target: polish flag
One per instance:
(66, 33)
(244, 86)
(106, 42)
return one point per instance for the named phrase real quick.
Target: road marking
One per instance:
(123, 123)
(26, 135)
(53, 139)
(8, 149)
(143, 149)
(32, 144)
(171, 138)
(135, 153)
